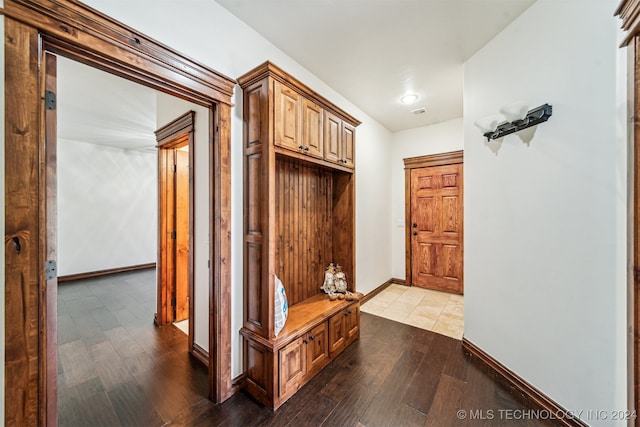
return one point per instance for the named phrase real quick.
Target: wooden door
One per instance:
(347, 149)
(312, 129)
(287, 117)
(332, 137)
(337, 333)
(317, 348)
(293, 360)
(182, 235)
(436, 228)
(352, 323)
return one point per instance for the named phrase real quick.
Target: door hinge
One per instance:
(173, 302)
(50, 269)
(49, 100)
(175, 168)
(173, 235)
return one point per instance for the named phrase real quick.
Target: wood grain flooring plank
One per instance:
(446, 403)
(104, 318)
(92, 406)
(314, 414)
(388, 401)
(424, 383)
(76, 363)
(132, 406)
(357, 399)
(67, 331)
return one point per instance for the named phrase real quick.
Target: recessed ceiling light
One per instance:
(409, 98)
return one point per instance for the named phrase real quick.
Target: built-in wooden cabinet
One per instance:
(299, 216)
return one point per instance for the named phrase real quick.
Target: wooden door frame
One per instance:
(74, 30)
(628, 11)
(441, 159)
(172, 135)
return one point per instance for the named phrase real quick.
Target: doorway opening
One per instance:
(434, 222)
(108, 177)
(176, 224)
(432, 298)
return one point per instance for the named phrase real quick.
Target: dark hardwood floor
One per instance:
(117, 369)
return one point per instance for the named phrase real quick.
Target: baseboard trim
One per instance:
(237, 383)
(376, 291)
(401, 282)
(534, 396)
(381, 288)
(201, 354)
(99, 273)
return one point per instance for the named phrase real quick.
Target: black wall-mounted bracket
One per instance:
(533, 117)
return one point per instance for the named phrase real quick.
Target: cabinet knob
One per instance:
(415, 225)
(311, 337)
(415, 233)
(301, 146)
(306, 148)
(306, 342)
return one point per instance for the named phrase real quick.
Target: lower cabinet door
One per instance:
(317, 348)
(352, 323)
(337, 336)
(292, 360)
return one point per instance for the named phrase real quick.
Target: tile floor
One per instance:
(431, 310)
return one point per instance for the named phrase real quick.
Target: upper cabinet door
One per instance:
(347, 152)
(312, 129)
(332, 137)
(288, 103)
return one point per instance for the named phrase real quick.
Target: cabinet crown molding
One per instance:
(629, 12)
(269, 69)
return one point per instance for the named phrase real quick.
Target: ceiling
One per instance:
(370, 51)
(99, 108)
(374, 51)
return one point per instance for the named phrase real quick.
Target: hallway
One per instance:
(117, 369)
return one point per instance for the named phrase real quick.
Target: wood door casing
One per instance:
(435, 226)
(48, 391)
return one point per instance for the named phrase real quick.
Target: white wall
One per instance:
(168, 109)
(218, 39)
(439, 138)
(106, 207)
(545, 223)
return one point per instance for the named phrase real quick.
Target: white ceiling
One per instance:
(99, 108)
(374, 51)
(370, 51)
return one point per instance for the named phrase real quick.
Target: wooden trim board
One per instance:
(107, 272)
